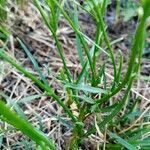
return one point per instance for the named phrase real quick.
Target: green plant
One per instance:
(85, 91)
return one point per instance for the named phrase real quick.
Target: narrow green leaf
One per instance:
(83, 42)
(114, 112)
(85, 98)
(141, 143)
(19, 111)
(122, 141)
(34, 62)
(24, 126)
(138, 134)
(29, 99)
(85, 88)
(118, 76)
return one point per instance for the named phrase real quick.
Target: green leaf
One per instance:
(29, 99)
(85, 88)
(34, 62)
(64, 121)
(146, 7)
(88, 5)
(20, 112)
(122, 141)
(24, 126)
(3, 12)
(85, 98)
(142, 143)
(138, 134)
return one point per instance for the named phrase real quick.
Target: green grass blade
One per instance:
(29, 99)
(85, 99)
(122, 141)
(85, 88)
(22, 125)
(34, 62)
(82, 73)
(78, 42)
(144, 144)
(146, 78)
(102, 76)
(19, 111)
(53, 16)
(135, 52)
(138, 134)
(3, 12)
(118, 76)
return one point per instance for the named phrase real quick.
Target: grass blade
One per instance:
(34, 62)
(85, 99)
(85, 88)
(122, 141)
(26, 128)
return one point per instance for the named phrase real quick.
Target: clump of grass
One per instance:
(85, 91)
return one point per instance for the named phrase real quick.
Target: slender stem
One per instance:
(97, 41)
(108, 44)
